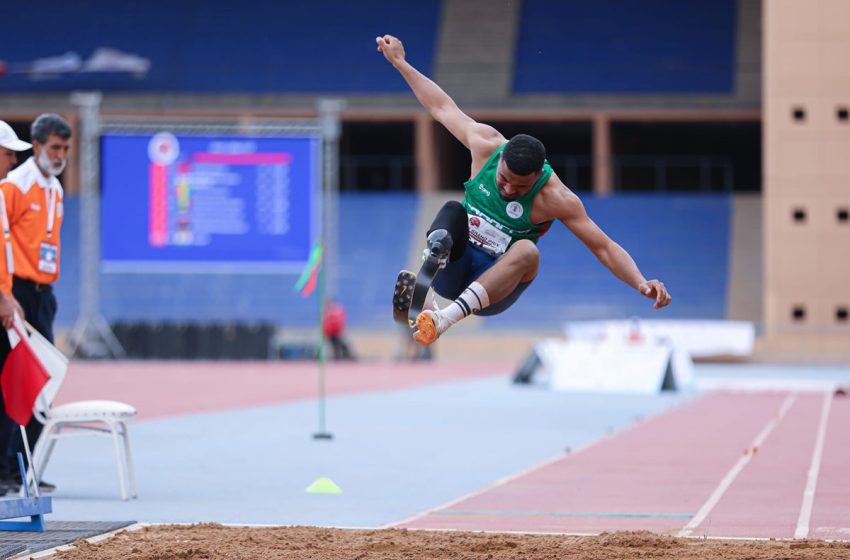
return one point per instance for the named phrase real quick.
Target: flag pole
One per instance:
(320, 288)
(24, 477)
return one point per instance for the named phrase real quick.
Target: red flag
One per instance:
(311, 283)
(22, 379)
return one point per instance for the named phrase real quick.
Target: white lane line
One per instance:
(736, 469)
(814, 469)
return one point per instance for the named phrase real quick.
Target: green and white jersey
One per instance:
(494, 223)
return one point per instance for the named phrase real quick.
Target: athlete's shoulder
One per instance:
(556, 188)
(556, 200)
(485, 141)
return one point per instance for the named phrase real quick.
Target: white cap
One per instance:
(8, 139)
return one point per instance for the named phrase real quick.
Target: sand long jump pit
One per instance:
(214, 542)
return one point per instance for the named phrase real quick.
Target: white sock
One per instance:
(473, 299)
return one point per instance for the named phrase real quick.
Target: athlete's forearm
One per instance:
(621, 265)
(429, 94)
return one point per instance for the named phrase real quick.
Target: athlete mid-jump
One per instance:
(482, 253)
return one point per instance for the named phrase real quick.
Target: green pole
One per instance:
(320, 291)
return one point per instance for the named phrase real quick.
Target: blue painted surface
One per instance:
(683, 240)
(213, 46)
(625, 46)
(394, 454)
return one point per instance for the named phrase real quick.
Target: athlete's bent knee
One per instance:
(527, 255)
(527, 251)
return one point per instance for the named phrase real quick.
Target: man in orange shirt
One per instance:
(34, 206)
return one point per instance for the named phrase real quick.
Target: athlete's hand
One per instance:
(655, 289)
(392, 48)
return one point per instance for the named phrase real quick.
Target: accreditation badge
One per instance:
(47, 258)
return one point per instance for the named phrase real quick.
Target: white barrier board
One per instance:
(643, 368)
(700, 339)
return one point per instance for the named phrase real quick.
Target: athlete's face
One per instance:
(512, 186)
(8, 159)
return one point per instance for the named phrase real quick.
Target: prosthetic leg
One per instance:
(412, 289)
(446, 242)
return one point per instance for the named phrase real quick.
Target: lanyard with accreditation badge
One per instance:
(49, 251)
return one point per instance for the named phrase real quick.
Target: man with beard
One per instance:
(34, 206)
(485, 249)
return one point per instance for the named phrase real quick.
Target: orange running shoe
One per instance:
(429, 326)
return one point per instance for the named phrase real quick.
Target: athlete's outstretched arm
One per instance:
(615, 258)
(435, 100)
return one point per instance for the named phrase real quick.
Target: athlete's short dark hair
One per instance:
(524, 154)
(47, 124)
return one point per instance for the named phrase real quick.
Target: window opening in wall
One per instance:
(377, 156)
(798, 313)
(799, 215)
(696, 157)
(841, 113)
(841, 314)
(799, 114)
(842, 214)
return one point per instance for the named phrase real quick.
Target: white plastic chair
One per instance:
(81, 418)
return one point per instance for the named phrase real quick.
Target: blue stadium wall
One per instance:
(685, 240)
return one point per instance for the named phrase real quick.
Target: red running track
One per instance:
(160, 389)
(723, 465)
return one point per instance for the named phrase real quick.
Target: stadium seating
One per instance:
(607, 46)
(269, 47)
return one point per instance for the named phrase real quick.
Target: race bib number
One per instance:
(47, 258)
(487, 236)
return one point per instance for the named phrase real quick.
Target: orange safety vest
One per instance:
(35, 209)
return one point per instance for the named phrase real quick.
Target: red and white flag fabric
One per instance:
(22, 379)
